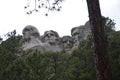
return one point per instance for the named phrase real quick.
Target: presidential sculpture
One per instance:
(67, 43)
(52, 38)
(51, 41)
(31, 38)
(77, 35)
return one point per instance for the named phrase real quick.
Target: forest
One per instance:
(79, 65)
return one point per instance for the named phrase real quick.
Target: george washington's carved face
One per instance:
(30, 32)
(67, 43)
(51, 37)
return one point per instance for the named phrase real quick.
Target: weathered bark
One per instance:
(100, 49)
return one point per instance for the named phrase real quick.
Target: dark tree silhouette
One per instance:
(100, 49)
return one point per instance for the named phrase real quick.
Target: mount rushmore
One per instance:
(51, 41)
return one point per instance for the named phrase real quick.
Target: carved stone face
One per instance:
(51, 37)
(67, 42)
(75, 34)
(87, 30)
(30, 32)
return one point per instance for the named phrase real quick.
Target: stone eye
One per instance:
(52, 34)
(27, 30)
(64, 41)
(76, 34)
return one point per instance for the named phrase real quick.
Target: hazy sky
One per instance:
(73, 13)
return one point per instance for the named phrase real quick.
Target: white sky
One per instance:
(73, 13)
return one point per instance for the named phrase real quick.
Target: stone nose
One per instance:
(68, 42)
(49, 35)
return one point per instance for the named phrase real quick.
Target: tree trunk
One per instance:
(100, 50)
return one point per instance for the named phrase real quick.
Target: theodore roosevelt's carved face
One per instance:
(67, 43)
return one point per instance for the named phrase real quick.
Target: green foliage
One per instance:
(114, 54)
(51, 66)
(37, 66)
(8, 51)
(109, 26)
(85, 64)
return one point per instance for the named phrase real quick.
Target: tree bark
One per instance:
(100, 49)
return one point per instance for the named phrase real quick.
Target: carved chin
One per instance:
(50, 40)
(67, 49)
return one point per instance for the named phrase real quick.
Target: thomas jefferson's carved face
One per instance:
(67, 42)
(30, 32)
(51, 37)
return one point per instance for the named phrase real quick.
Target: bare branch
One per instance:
(49, 5)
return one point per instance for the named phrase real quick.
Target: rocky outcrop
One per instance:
(80, 33)
(51, 41)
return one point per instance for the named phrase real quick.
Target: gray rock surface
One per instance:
(31, 38)
(67, 43)
(52, 38)
(51, 41)
(77, 35)
(80, 33)
(87, 29)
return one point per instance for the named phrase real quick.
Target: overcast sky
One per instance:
(73, 13)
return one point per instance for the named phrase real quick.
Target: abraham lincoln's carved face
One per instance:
(77, 33)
